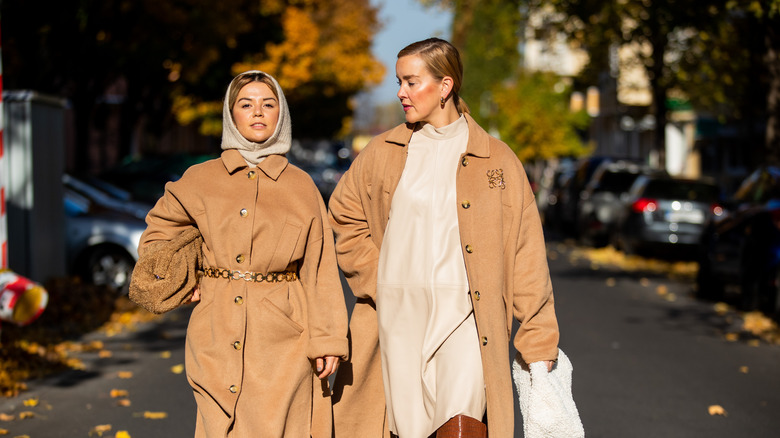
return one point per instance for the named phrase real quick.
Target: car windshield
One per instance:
(759, 187)
(616, 182)
(681, 190)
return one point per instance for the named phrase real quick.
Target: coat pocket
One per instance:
(279, 316)
(285, 246)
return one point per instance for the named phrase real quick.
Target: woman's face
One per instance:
(256, 112)
(419, 91)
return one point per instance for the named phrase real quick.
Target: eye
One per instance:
(270, 105)
(245, 105)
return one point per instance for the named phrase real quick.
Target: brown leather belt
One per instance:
(271, 277)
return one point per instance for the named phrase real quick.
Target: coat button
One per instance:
(251, 174)
(484, 340)
(240, 258)
(233, 389)
(465, 161)
(238, 300)
(243, 212)
(469, 249)
(466, 204)
(476, 295)
(237, 345)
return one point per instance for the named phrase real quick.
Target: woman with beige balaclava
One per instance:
(270, 323)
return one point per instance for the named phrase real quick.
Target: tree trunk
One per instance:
(772, 59)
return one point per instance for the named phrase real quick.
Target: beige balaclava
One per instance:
(279, 143)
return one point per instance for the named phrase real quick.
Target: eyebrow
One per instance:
(247, 98)
(407, 77)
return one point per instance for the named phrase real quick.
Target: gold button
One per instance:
(233, 389)
(240, 258)
(476, 295)
(466, 204)
(484, 340)
(238, 300)
(469, 249)
(465, 161)
(252, 174)
(237, 345)
(243, 212)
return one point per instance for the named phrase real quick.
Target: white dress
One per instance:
(431, 361)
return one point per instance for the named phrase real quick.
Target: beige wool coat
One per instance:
(506, 264)
(250, 345)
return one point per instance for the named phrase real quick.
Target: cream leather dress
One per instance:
(431, 360)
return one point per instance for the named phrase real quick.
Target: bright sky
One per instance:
(402, 23)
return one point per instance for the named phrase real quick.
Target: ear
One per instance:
(446, 87)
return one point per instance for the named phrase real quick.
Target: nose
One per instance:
(258, 112)
(401, 93)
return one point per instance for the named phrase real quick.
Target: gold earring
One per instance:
(442, 102)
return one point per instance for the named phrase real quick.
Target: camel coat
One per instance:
(506, 264)
(250, 345)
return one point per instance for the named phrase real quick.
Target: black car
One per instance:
(603, 198)
(666, 216)
(741, 247)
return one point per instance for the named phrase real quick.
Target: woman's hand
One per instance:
(549, 364)
(326, 366)
(195, 295)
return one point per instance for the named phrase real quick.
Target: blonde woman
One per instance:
(271, 319)
(439, 236)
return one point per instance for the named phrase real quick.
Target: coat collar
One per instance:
(478, 144)
(272, 165)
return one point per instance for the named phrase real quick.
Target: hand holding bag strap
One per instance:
(546, 401)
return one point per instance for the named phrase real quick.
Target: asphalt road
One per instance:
(645, 365)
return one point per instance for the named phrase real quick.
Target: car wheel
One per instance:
(111, 267)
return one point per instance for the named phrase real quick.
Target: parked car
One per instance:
(603, 198)
(568, 201)
(102, 232)
(663, 213)
(741, 247)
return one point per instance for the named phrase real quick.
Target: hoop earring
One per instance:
(441, 100)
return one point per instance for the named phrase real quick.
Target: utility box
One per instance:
(34, 139)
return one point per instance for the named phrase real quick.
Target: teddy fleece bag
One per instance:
(167, 272)
(546, 401)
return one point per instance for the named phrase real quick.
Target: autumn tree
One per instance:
(150, 56)
(523, 108)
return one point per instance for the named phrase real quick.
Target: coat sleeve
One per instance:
(533, 302)
(357, 253)
(327, 312)
(168, 218)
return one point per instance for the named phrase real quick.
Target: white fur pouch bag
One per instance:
(546, 401)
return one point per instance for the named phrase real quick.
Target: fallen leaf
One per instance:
(155, 415)
(644, 282)
(125, 374)
(721, 308)
(32, 402)
(177, 369)
(104, 354)
(122, 434)
(116, 393)
(3, 432)
(754, 342)
(671, 297)
(6, 417)
(662, 289)
(717, 410)
(124, 402)
(743, 369)
(165, 355)
(100, 429)
(732, 337)
(611, 282)
(26, 414)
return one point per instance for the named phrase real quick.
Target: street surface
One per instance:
(645, 365)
